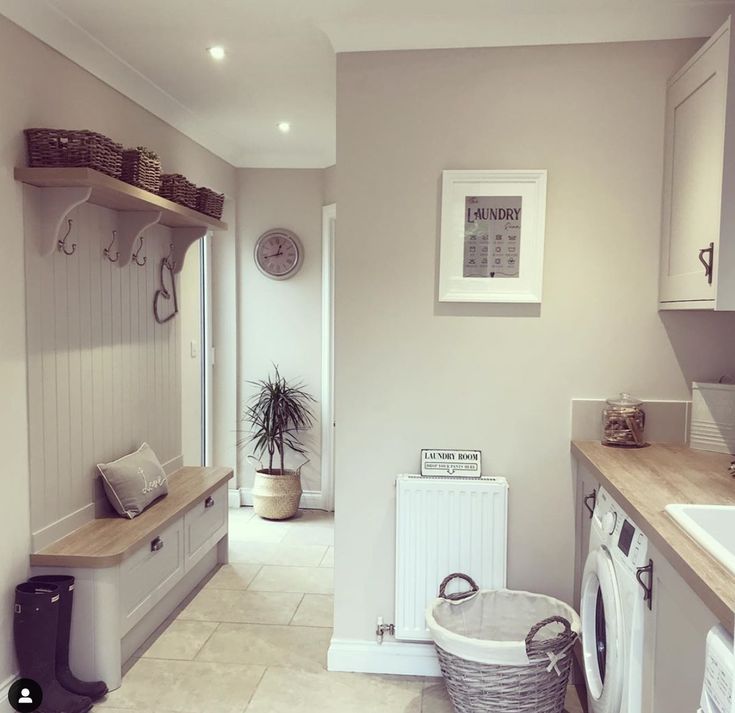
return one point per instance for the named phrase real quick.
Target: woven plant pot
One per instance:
(276, 493)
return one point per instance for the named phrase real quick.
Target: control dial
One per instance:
(609, 521)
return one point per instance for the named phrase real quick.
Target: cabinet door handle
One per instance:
(707, 262)
(591, 498)
(209, 502)
(156, 544)
(647, 588)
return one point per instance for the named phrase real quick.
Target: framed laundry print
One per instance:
(492, 236)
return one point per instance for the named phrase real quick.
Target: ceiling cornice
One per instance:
(45, 22)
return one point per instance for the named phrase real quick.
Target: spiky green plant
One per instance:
(277, 413)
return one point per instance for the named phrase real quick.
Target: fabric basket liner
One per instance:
(491, 626)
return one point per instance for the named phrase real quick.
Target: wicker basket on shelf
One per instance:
(179, 189)
(63, 148)
(209, 202)
(141, 167)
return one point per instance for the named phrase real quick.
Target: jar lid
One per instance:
(624, 400)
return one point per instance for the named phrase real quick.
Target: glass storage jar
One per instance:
(623, 422)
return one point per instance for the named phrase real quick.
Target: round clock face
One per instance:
(278, 254)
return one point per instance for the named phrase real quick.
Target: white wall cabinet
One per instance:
(676, 630)
(698, 219)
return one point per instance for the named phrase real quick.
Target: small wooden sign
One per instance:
(445, 462)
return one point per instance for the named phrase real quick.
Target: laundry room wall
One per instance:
(412, 372)
(280, 321)
(39, 87)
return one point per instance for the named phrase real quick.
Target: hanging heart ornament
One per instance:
(164, 293)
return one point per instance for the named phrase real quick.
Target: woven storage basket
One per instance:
(538, 686)
(209, 202)
(179, 189)
(61, 148)
(142, 168)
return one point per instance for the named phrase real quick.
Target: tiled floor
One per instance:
(255, 638)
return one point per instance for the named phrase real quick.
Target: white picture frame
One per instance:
(521, 278)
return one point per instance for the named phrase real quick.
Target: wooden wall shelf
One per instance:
(66, 188)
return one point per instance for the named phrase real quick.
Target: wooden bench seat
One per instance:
(108, 541)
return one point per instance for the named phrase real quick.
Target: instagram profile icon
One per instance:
(25, 695)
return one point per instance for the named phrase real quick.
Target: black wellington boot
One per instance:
(35, 626)
(92, 689)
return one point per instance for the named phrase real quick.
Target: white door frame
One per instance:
(206, 347)
(329, 228)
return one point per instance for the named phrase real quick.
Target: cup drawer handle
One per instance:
(156, 544)
(209, 502)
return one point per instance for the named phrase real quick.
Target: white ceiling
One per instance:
(280, 63)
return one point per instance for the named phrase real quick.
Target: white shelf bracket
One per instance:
(183, 238)
(56, 204)
(129, 227)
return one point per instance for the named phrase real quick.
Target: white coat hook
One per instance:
(62, 243)
(136, 254)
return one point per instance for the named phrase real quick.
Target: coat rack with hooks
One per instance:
(63, 189)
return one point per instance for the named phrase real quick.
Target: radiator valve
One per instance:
(383, 629)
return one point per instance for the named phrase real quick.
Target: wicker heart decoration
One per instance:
(163, 293)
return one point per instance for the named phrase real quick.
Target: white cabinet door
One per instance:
(675, 636)
(695, 150)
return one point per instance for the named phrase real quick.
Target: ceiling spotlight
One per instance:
(216, 52)
(284, 127)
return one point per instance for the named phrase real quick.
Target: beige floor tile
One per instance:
(308, 580)
(276, 553)
(317, 534)
(258, 530)
(237, 607)
(291, 646)
(233, 576)
(435, 698)
(284, 689)
(181, 640)
(186, 687)
(328, 560)
(315, 610)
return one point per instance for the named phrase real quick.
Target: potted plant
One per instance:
(277, 413)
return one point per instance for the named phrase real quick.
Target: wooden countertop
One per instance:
(644, 481)
(106, 542)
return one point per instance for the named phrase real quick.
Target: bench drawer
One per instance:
(205, 524)
(150, 573)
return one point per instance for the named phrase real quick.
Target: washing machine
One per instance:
(719, 673)
(615, 593)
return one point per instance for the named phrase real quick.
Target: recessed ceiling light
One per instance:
(217, 52)
(284, 127)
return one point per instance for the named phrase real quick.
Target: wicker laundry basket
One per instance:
(492, 659)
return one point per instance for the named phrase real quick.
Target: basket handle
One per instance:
(551, 620)
(458, 596)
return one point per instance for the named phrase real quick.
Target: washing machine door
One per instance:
(602, 633)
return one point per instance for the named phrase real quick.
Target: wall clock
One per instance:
(279, 253)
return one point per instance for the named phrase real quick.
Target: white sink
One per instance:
(712, 526)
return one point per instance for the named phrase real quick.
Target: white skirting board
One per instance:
(310, 500)
(391, 657)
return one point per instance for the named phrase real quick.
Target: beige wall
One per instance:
(411, 372)
(280, 320)
(38, 87)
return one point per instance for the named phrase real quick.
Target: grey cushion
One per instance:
(134, 481)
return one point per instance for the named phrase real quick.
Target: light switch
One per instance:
(194, 349)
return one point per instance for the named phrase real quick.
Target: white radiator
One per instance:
(446, 525)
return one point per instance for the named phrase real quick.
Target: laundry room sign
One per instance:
(444, 462)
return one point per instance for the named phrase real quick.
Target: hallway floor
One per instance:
(255, 638)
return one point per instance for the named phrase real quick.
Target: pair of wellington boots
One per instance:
(42, 628)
